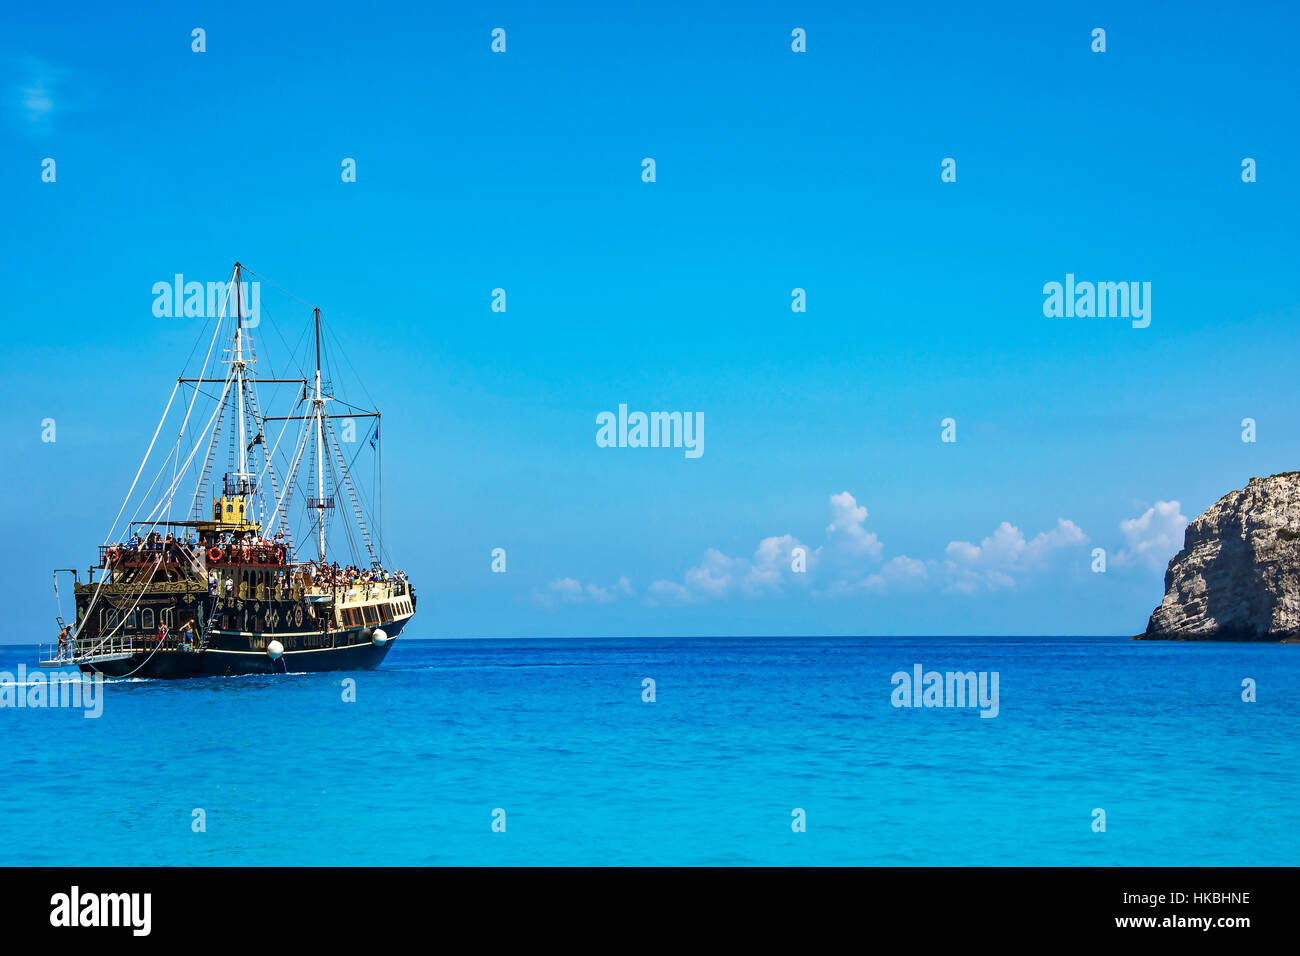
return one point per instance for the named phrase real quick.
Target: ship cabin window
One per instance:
(385, 613)
(370, 615)
(146, 618)
(351, 617)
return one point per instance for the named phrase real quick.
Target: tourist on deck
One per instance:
(65, 636)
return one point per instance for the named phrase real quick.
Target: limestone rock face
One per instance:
(1238, 575)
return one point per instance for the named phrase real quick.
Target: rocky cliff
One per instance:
(1238, 575)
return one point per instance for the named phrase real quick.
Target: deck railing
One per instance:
(172, 553)
(91, 649)
(195, 555)
(350, 593)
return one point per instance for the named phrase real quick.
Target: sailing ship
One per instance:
(224, 591)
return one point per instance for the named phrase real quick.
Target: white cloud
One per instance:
(849, 553)
(900, 573)
(768, 571)
(772, 564)
(567, 589)
(37, 92)
(846, 529)
(1154, 536)
(37, 102)
(989, 564)
(714, 575)
(604, 595)
(667, 592)
(850, 562)
(1065, 534)
(573, 591)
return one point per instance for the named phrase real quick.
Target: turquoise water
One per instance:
(742, 732)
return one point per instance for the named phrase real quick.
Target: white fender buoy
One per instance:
(379, 638)
(274, 650)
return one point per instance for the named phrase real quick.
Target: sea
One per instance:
(683, 751)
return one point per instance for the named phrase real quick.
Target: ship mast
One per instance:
(242, 474)
(319, 403)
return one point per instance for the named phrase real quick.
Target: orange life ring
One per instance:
(279, 554)
(214, 554)
(112, 555)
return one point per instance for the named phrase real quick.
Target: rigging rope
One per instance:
(154, 522)
(164, 505)
(142, 463)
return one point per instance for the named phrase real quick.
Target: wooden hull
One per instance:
(239, 656)
(241, 631)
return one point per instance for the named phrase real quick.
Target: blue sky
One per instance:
(775, 170)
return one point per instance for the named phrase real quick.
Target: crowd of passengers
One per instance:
(230, 542)
(330, 575)
(156, 541)
(171, 545)
(313, 574)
